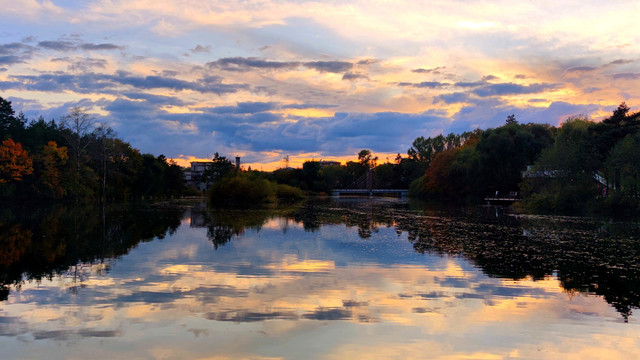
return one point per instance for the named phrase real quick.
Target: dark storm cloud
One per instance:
(512, 89)
(241, 64)
(354, 76)
(425, 84)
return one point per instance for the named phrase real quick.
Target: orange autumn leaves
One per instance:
(15, 162)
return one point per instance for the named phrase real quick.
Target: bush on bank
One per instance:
(246, 190)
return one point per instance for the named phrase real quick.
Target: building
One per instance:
(195, 175)
(324, 163)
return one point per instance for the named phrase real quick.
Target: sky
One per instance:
(315, 79)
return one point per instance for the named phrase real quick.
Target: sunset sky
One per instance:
(315, 80)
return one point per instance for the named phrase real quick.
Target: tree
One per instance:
(220, 167)
(619, 114)
(103, 136)
(511, 119)
(6, 113)
(623, 166)
(77, 125)
(10, 125)
(563, 178)
(367, 159)
(15, 162)
(49, 163)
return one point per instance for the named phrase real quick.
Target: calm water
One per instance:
(336, 280)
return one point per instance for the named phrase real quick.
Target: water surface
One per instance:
(347, 279)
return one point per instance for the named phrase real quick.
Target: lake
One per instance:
(328, 279)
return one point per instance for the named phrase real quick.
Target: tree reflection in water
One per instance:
(587, 255)
(40, 242)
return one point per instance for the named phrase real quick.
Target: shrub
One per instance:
(288, 193)
(242, 190)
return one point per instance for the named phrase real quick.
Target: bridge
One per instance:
(366, 185)
(370, 192)
(503, 198)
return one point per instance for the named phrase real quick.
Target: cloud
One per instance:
(82, 64)
(62, 45)
(492, 114)
(621, 62)
(580, 69)
(452, 98)
(10, 59)
(89, 46)
(154, 99)
(435, 70)
(12, 48)
(329, 66)
(354, 76)
(241, 64)
(424, 84)
(626, 76)
(250, 316)
(470, 84)
(308, 106)
(367, 61)
(512, 89)
(245, 108)
(92, 82)
(245, 64)
(58, 45)
(201, 49)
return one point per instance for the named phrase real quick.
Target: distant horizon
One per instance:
(314, 80)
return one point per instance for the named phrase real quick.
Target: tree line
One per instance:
(580, 166)
(77, 159)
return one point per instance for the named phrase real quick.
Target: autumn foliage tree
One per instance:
(15, 162)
